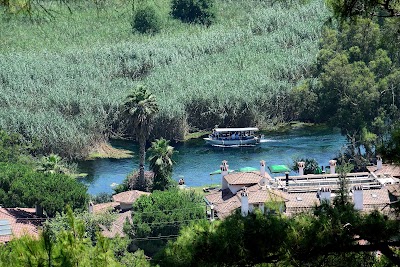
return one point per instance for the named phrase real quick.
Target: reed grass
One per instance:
(62, 83)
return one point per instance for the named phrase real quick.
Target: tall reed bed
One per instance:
(67, 94)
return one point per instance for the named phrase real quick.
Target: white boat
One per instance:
(233, 137)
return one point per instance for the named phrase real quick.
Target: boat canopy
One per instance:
(222, 130)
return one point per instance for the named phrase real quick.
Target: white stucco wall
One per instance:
(235, 188)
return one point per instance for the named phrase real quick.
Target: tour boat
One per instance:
(233, 137)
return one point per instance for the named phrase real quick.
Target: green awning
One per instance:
(247, 169)
(318, 170)
(219, 172)
(279, 168)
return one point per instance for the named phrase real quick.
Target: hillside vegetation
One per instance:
(64, 79)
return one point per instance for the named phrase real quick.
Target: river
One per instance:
(194, 160)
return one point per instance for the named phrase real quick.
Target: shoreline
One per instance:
(106, 151)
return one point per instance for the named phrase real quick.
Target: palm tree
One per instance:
(53, 163)
(140, 108)
(161, 163)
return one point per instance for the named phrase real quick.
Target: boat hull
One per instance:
(232, 142)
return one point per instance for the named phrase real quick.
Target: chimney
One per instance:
(212, 212)
(301, 165)
(378, 162)
(358, 197)
(332, 165)
(325, 194)
(287, 178)
(39, 210)
(244, 202)
(224, 171)
(262, 168)
(263, 181)
(90, 207)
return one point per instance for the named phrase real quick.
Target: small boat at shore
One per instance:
(233, 137)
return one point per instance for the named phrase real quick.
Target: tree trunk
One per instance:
(142, 155)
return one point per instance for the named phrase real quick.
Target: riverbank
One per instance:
(194, 160)
(107, 151)
(284, 127)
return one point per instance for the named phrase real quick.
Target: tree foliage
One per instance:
(193, 11)
(391, 148)
(146, 20)
(91, 221)
(332, 236)
(12, 146)
(345, 9)
(140, 108)
(159, 217)
(22, 186)
(69, 247)
(354, 83)
(161, 163)
(310, 167)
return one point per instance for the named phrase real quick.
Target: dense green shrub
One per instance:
(197, 11)
(92, 222)
(146, 20)
(11, 146)
(24, 187)
(162, 214)
(66, 242)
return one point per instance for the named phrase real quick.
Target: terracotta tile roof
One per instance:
(129, 196)
(22, 221)
(117, 228)
(243, 178)
(219, 196)
(258, 194)
(302, 200)
(225, 209)
(394, 189)
(98, 208)
(376, 197)
(225, 202)
(391, 169)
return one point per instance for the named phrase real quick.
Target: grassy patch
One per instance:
(195, 135)
(79, 175)
(200, 189)
(105, 150)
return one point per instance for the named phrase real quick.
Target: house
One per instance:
(296, 194)
(381, 170)
(122, 204)
(127, 198)
(237, 188)
(16, 222)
